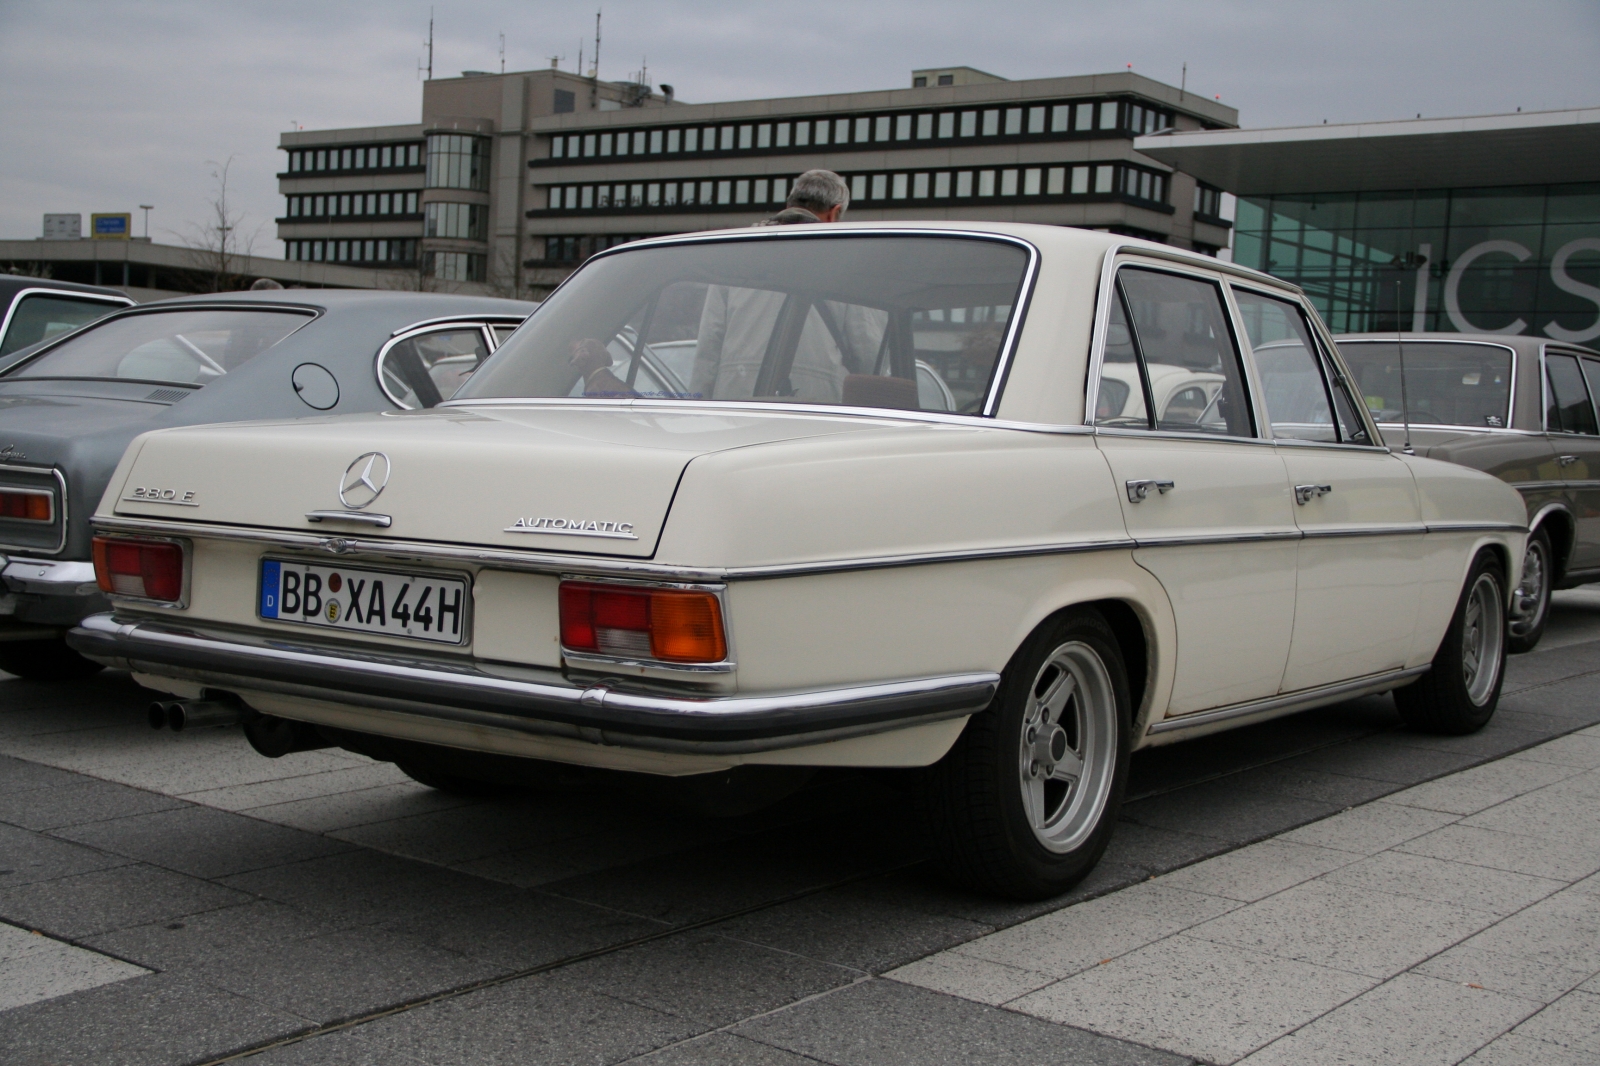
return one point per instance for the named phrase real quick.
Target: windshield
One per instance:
(914, 323)
(188, 347)
(1445, 384)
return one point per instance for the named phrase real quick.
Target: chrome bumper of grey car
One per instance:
(46, 577)
(528, 700)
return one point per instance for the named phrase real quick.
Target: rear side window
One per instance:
(188, 347)
(1183, 350)
(39, 317)
(1569, 409)
(1300, 388)
(427, 369)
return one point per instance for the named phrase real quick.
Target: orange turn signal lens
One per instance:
(671, 625)
(149, 569)
(27, 505)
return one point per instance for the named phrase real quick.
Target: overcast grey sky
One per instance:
(112, 103)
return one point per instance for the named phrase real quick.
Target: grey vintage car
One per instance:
(69, 407)
(1519, 407)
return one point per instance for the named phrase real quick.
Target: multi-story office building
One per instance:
(418, 198)
(524, 175)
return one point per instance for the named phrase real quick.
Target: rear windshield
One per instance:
(1444, 384)
(40, 316)
(188, 347)
(915, 323)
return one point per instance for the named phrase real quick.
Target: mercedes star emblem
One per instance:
(363, 480)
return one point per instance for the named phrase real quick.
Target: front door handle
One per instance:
(1566, 460)
(1304, 494)
(1140, 488)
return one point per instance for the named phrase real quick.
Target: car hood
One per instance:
(587, 480)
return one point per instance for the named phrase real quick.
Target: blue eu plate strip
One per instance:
(270, 581)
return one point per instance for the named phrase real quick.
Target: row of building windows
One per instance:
(366, 157)
(1207, 201)
(1119, 117)
(458, 161)
(356, 205)
(1099, 179)
(375, 251)
(576, 248)
(468, 221)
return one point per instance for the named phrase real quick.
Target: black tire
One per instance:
(977, 797)
(45, 660)
(1530, 604)
(1459, 695)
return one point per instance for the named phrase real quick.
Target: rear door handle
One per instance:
(1304, 494)
(1140, 488)
(1566, 460)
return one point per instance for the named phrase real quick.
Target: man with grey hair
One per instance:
(817, 196)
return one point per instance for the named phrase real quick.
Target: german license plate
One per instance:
(398, 604)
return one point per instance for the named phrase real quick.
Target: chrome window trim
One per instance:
(528, 699)
(1511, 398)
(544, 563)
(726, 665)
(65, 508)
(433, 325)
(1292, 442)
(162, 307)
(1178, 434)
(775, 410)
(1019, 311)
(1121, 255)
(186, 546)
(497, 319)
(89, 297)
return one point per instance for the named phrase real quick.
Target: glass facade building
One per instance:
(1497, 260)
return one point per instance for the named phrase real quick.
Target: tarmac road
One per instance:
(179, 899)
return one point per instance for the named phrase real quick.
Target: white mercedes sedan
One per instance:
(1002, 502)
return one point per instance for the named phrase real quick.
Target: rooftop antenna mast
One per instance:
(594, 71)
(429, 67)
(1400, 344)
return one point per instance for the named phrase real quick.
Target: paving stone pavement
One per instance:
(179, 899)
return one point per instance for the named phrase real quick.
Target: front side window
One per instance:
(1568, 408)
(40, 316)
(1433, 383)
(898, 322)
(1178, 347)
(423, 370)
(1293, 388)
(189, 347)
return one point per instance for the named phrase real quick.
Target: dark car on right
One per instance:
(1521, 408)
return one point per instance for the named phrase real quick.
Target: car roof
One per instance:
(1050, 240)
(1522, 342)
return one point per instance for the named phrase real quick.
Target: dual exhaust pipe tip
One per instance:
(178, 715)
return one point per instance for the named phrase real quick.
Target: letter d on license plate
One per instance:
(421, 606)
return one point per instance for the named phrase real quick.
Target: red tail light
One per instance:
(149, 569)
(27, 505)
(671, 625)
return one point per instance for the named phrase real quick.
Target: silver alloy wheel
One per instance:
(1482, 639)
(1068, 747)
(1531, 599)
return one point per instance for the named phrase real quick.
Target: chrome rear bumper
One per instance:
(527, 700)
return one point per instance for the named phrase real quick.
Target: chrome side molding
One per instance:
(1289, 702)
